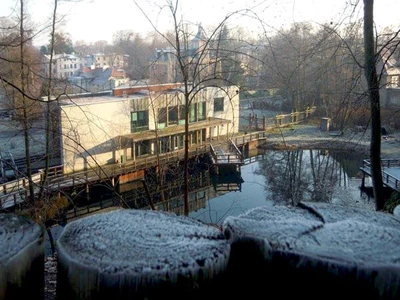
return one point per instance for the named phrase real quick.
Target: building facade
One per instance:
(141, 121)
(389, 70)
(197, 57)
(68, 65)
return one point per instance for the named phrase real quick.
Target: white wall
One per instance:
(231, 109)
(89, 133)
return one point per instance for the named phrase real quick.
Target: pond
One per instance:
(291, 177)
(268, 177)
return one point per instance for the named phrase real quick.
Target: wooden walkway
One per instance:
(390, 172)
(15, 192)
(226, 152)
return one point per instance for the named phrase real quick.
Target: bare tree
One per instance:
(373, 91)
(196, 70)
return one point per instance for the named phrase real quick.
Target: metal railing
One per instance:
(388, 179)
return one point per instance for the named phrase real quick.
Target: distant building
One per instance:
(198, 57)
(64, 65)
(97, 79)
(390, 82)
(67, 65)
(139, 121)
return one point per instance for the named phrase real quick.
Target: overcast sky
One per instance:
(93, 20)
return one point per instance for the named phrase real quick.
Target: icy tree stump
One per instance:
(316, 250)
(21, 258)
(137, 254)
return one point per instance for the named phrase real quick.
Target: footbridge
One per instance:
(390, 172)
(226, 157)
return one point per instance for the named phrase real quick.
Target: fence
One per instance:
(263, 123)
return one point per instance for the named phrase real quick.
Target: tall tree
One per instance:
(196, 67)
(61, 42)
(373, 92)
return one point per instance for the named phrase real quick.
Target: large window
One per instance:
(218, 104)
(139, 121)
(201, 115)
(162, 117)
(193, 113)
(181, 114)
(173, 115)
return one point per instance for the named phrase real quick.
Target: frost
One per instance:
(331, 237)
(142, 248)
(21, 254)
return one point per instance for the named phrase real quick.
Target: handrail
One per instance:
(9, 191)
(387, 178)
(56, 176)
(238, 153)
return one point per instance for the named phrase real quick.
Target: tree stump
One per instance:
(316, 250)
(138, 254)
(21, 258)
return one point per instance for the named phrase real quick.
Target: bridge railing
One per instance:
(390, 180)
(385, 163)
(387, 178)
(241, 140)
(234, 150)
(16, 191)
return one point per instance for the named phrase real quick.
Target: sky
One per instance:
(94, 20)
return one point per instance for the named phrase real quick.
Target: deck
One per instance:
(226, 153)
(390, 172)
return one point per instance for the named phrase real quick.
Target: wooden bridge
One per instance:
(390, 172)
(226, 158)
(225, 153)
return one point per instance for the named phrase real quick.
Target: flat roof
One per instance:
(94, 99)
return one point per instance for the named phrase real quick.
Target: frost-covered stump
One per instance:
(316, 250)
(135, 254)
(21, 258)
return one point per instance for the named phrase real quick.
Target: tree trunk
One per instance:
(373, 91)
(186, 162)
(25, 120)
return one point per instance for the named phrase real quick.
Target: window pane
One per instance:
(218, 104)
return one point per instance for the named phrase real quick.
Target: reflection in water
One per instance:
(266, 178)
(308, 175)
(204, 185)
(291, 176)
(294, 176)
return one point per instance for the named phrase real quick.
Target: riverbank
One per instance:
(309, 136)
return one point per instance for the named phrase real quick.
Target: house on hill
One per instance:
(198, 56)
(97, 79)
(390, 81)
(139, 121)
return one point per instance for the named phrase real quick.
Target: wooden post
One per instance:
(87, 196)
(362, 183)
(250, 121)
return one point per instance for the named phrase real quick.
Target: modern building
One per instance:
(140, 121)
